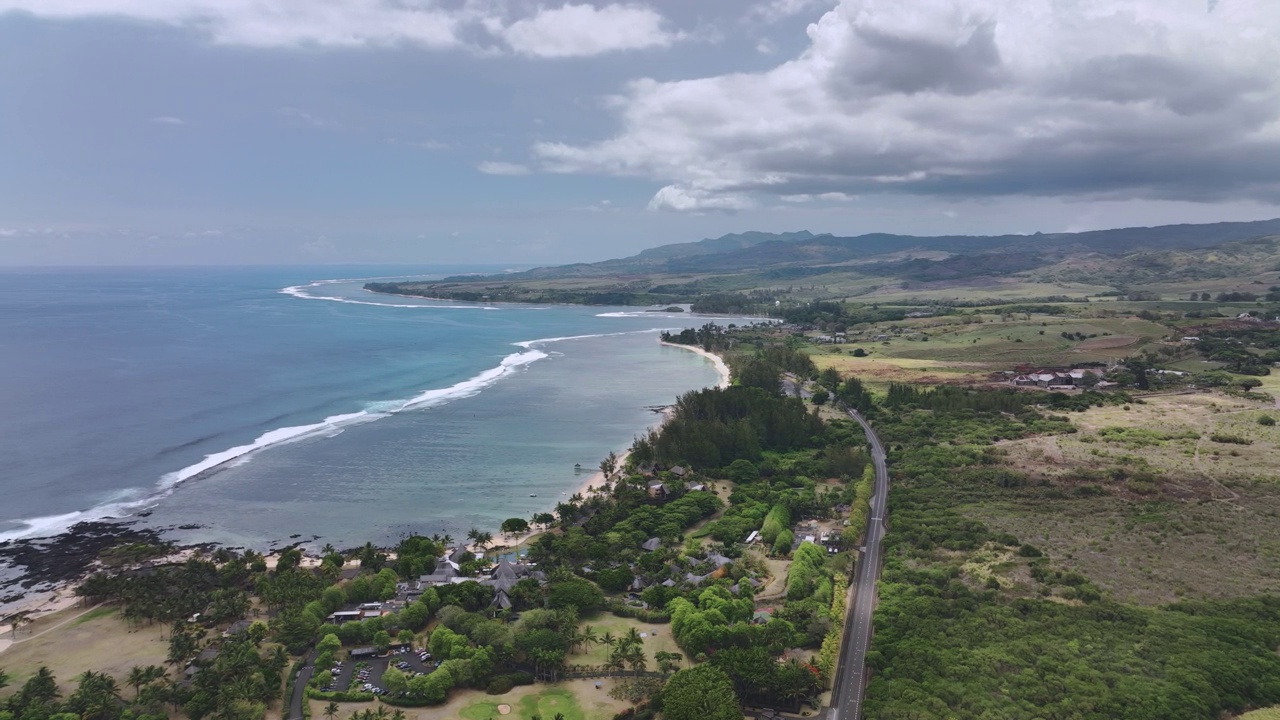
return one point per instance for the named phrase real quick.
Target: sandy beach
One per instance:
(597, 479)
(716, 360)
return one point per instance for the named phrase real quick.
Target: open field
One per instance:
(876, 370)
(1263, 714)
(1147, 505)
(576, 699)
(657, 639)
(97, 640)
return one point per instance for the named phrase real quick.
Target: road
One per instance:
(300, 688)
(850, 681)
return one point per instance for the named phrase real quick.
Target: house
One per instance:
(445, 573)
(751, 538)
(698, 487)
(504, 578)
(343, 616)
(364, 652)
(651, 544)
(237, 628)
(716, 559)
(659, 491)
(678, 471)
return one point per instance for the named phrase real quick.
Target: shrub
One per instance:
(1228, 438)
(1266, 420)
(1030, 551)
(499, 685)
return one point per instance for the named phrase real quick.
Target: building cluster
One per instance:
(1058, 379)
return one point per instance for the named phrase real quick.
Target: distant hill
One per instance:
(745, 270)
(755, 251)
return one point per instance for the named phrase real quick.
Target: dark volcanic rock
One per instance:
(69, 555)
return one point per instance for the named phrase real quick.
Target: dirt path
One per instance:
(5, 644)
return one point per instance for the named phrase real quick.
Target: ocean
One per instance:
(255, 407)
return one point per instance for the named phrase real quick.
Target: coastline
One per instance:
(41, 597)
(597, 479)
(715, 359)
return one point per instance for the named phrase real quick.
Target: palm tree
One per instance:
(398, 715)
(474, 535)
(608, 640)
(589, 636)
(331, 710)
(136, 679)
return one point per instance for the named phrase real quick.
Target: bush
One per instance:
(500, 685)
(1030, 551)
(1230, 439)
(627, 611)
(340, 695)
(1266, 420)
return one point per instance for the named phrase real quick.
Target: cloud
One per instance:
(168, 120)
(278, 23)
(301, 117)
(775, 10)
(502, 168)
(572, 30)
(681, 199)
(1116, 99)
(585, 30)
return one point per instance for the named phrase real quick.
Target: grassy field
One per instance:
(1263, 714)
(97, 640)
(1147, 505)
(576, 699)
(658, 639)
(962, 350)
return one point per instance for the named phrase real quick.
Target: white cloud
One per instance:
(168, 120)
(971, 98)
(301, 117)
(689, 199)
(584, 30)
(490, 167)
(766, 47)
(573, 30)
(277, 23)
(775, 10)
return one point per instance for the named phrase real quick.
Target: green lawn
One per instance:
(546, 704)
(95, 614)
(659, 639)
(1272, 713)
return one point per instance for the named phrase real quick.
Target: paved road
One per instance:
(846, 697)
(300, 687)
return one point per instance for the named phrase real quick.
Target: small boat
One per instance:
(533, 495)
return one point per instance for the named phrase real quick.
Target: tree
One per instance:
(394, 681)
(668, 662)
(576, 593)
(702, 692)
(382, 640)
(515, 525)
(609, 465)
(331, 710)
(544, 519)
(820, 397)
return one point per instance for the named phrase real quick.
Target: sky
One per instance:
(531, 132)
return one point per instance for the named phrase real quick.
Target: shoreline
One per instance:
(597, 479)
(41, 597)
(716, 360)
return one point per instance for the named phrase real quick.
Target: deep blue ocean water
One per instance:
(260, 404)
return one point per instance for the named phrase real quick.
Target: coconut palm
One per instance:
(331, 710)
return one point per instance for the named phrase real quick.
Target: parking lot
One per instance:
(372, 675)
